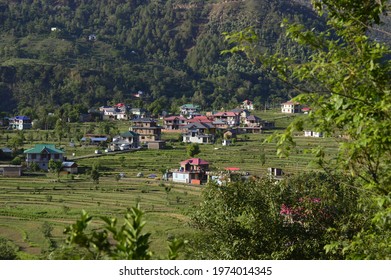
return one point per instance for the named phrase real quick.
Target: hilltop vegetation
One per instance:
(54, 53)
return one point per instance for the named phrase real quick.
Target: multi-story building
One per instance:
(20, 122)
(148, 130)
(192, 171)
(291, 107)
(41, 154)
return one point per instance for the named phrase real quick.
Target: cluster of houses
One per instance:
(146, 132)
(202, 129)
(196, 171)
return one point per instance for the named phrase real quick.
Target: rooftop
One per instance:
(39, 148)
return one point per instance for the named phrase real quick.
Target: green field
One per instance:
(29, 201)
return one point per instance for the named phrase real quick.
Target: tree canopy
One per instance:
(346, 82)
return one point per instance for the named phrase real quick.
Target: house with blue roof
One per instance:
(20, 122)
(41, 154)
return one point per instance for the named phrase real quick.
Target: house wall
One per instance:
(71, 170)
(11, 171)
(43, 159)
(197, 139)
(180, 177)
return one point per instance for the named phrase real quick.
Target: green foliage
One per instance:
(125, 242)
(154, 46)
(193, 149)
(55, 166)
(346, 82)
(16, 161)
(8, 250)
(265, 219)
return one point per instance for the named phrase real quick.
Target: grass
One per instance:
(29, 201)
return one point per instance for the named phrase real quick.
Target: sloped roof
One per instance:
(194, 161)
(69, 164)
(198, 125)
(23, 118)
(146, 120)
(175, 118)
(203, 119)
(225, 114)
(291, 103)
(6, 150)
(232, 168)
(253, 118)
(39, 148)
(190, 106)
(129, 134)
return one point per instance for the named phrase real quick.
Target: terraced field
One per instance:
(27, 202)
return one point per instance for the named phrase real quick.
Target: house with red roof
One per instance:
(230, 118)
(174, 122)
(201, 119)
(191, 171)
(248, 105)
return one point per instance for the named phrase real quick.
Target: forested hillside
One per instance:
(82, 52)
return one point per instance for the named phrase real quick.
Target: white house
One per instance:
(248, 105)
(290, 107)
(310, 133)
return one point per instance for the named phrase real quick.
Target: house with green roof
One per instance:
(189, 110)
(41, 154)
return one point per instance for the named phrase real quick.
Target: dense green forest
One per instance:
(55, 53)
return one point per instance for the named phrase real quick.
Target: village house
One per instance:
(253, 121)
(11, 170)
(5, 153)
(41, 154)
(310, 133)
(94, 139)
(230, 118)
(189, 110)
(243, 114)
(255, 124)
(156, 145)
(128, 139)
(20, 123)
(306, 110)
(191, 171)
(147, 129)
(290, 107)
(174, 122)
(248, 105)
(70, 167)
(201, 119)
(201, 133)
(219, 124)
(275, 173)
(138, 113)
(117, 112)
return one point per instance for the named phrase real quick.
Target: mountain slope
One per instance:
(56, 52)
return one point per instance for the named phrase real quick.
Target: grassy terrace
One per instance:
(29, 201)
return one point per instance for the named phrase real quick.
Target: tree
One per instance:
(193, 149)
(95, 175)
(346, 81)
(55, 167)
(8, 250)
(125, 242)
(265, 219)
